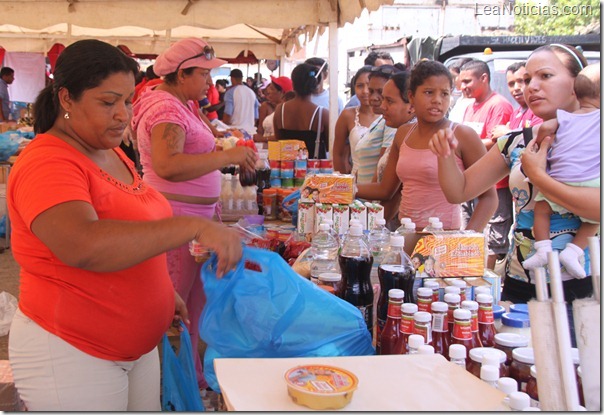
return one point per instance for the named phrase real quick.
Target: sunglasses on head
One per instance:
(385, 70)
(208, 53)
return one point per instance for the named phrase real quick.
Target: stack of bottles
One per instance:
(237, 200)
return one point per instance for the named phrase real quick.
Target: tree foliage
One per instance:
(555, 17)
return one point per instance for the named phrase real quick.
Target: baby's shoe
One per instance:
(539, 258)
(573, 259)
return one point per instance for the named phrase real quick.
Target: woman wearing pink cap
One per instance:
(275, 92)
(179, 158)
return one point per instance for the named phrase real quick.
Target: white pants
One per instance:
(52, 375)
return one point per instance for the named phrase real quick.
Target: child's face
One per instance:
(432, 98)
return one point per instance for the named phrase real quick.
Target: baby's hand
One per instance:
(546, 129)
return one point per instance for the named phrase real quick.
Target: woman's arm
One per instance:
(471, 150)
(341, 149)
(390, 183)
(582, 201)
(76, 235)
(459, 186)
(263, 113)
(170, 163)
(277, 122)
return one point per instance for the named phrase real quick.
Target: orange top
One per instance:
(111, 315)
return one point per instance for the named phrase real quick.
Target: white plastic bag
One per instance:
(8, 306)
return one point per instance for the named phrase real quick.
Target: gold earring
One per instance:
(66, 115)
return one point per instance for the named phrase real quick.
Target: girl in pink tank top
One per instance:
(413, 164)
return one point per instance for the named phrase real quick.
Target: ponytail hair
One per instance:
(304, 78)
(46, 110)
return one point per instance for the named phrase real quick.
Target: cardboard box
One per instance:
(306, 217)
(331, 188)
(374, 211)
(454, 253)
(285, 149)
(341, 217)
(358, 211)
(323, 211)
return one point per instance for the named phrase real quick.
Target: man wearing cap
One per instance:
(274, 92)
(240, 104)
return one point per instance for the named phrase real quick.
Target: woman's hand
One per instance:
(180, 312)
(225, 242)
(443, 143)
(534, 157)
(243, 156)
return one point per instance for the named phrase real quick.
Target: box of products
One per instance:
(286, 150)
(323, 211)
(358, 211)
(306, 216)
(341, 217)
(374, 211)
(329, 188)
(453, 254)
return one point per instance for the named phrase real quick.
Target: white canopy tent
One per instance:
(270, 28)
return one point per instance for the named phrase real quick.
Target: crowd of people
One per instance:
(103, 248)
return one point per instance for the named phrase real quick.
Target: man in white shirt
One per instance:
(240, 104)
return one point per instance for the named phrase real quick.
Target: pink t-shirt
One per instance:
(155, 107)
(422, 197)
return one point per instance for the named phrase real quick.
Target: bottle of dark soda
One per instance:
(263, 178)
(388, 337)
(355, 265)
(395, 271)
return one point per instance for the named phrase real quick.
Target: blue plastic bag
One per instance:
(274, 313)
(179, 381)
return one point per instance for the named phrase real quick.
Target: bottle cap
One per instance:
(477, 353)
(519, 308)
(459, 283)
(395, 293)
(507, 385)
(517, 320)
(481, 290)
(493, 357)
(462, 314)
(323, 227)
(431, 284)
(406, 220)
(484, 298)
(451, 289)
(452, 298)
(410, 226)
(433, 219)
(534, 371)
(330, 277)
(524, 355)
(409, 308)
(356, 230)
(397, 240)
(425, 349)
(511, 340)
(439, 306)
(519, 400)
(489, 373)
(380, 221)
(424, 292)
(457, 351)
(469, 305)
(422, 317)
(415, 340)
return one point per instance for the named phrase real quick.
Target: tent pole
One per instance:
(333, 82)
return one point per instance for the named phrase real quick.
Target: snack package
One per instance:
(330, 188)
(306, 217)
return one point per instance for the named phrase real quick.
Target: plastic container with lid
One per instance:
(320, 386)
(518, 323)
(520, 369)
(508, 342)
(519, 308)
(332, 279)
(480, 356)
(498, 311)
(531, 387)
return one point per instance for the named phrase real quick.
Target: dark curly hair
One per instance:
(424, 70)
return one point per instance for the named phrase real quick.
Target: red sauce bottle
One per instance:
(422, 325)
(486, 322)
(441, 339)
(473, 307)
(390, 333)
(406, 328)
(424, 299)
(453, 301)
(462, 329)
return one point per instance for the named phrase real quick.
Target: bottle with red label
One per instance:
(422, 325)
(441, 339)
(424, 299)
(463, 286)
(434, 286)
(472, 306)
(453, 301)
(462, 329)
(486, 322)
(406, 328)
(389, 335)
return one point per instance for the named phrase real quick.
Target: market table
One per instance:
(386, 383)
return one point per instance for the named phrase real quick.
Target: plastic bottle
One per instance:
(507, 385)
(396, 271)
(239, 197)
(407, 226)
(406, 328)
(332, 230)
(481, 290)
(415, 340)
(434, 225)
(486, 322)
(462, 329)
(379, 238)
(489, 374)
(425, 349)
(263, 178)
(453, 301)
(226, 193)
(388, 336)
(457, 355)
(472, 306)
(324, 251)
(422, 325)
(424, 299)
(355, 265)
(433, 285)
(441, 339)
(463, 287)
(251, 200)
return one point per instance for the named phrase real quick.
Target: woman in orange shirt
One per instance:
(90, 237)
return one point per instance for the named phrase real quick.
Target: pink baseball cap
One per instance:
(284, 82)
(186, 53)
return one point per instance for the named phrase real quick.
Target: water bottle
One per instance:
(332, 230)
(379, 239)
(324, 251)
(434, 225)
(355, 265)
(226, 194)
